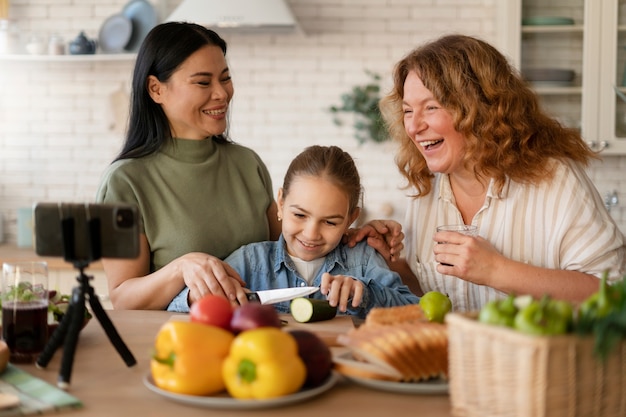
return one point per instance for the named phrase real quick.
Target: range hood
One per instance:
(238, 16)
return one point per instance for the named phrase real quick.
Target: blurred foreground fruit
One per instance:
(5, 353)
(316, 357)
(188, 358)
(499, 312)
(544, 317)
(212, 310)
(254, 315)
(263, 363)
(435, 305)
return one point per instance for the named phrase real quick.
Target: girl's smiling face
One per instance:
(195, 98)
(315, 216)
(431, 128)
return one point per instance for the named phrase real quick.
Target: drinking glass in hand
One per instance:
(24, 299)
(466, 229)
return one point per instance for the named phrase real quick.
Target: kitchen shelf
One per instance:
(551, 28)
(594, 47)
(558, 90)
(69, 57)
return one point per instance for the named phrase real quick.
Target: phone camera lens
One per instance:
(124, 218)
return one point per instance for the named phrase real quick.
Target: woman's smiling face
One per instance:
(431, 127)
(315, 215)
(195, 98)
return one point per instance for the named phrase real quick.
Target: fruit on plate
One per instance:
(254, 315)
(212, 310)
(308, 310)
(263, 363)
(316, 357)
(188, 358)
(5, 353)
(435, 305)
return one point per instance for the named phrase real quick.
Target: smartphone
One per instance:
(86, 231)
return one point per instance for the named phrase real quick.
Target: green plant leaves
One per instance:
(363, 100)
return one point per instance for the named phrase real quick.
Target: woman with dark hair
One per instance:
(476, 148)
(200, 196)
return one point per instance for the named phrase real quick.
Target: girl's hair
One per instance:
(163, 50)
(330, 163)
(506, 132)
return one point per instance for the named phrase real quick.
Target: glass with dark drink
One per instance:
(24, 299)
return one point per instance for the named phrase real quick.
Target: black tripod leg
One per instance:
(77, 316)
(56, 339)
(109, 329)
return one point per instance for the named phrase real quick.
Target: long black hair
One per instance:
(163, 50)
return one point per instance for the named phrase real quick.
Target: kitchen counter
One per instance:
(14, 253)
(106, 386)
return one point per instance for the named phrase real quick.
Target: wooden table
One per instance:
(106, 386)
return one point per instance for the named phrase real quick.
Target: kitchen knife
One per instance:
(281, 294)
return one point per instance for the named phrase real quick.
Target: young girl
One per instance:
(316, 205)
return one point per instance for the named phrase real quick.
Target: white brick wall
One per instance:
(58, 124)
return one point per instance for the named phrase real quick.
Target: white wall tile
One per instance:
(61, 127)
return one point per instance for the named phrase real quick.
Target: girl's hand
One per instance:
(205, 274)
(340, 288)
(383, 235)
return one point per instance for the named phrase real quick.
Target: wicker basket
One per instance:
(495, 371)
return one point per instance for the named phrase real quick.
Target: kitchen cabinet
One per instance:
(593, 45)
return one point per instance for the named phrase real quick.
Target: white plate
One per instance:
(433, 386)
(224, 401)
(436, 386)
(115, 33)
(144, 18)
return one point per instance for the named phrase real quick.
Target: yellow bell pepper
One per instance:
(263, 363)
(188, 358)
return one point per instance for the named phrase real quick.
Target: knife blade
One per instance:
(280, 294)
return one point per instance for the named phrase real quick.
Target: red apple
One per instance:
(315, 355)
(253, 315)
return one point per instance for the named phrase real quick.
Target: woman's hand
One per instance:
(205, 274)
(383, 235)
(338, 290)
(470, 258)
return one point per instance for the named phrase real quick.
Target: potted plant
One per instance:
(363, 100)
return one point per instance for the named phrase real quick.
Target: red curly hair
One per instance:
(507, 133)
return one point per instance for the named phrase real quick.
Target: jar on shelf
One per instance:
(9, 37)
(56, 45)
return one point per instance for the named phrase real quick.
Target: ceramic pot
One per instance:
(82, 45)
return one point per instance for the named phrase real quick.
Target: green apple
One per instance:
(435, 305)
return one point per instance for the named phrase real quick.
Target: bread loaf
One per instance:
(399, 344)
(385, 316)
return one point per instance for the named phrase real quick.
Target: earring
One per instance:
(280, 219)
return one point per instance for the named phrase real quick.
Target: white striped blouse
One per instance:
(557, 224)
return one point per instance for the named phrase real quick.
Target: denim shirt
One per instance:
(266, 265)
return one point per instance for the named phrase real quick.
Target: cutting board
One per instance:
(327, 330)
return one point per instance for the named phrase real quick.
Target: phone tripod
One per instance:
(66, 334)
